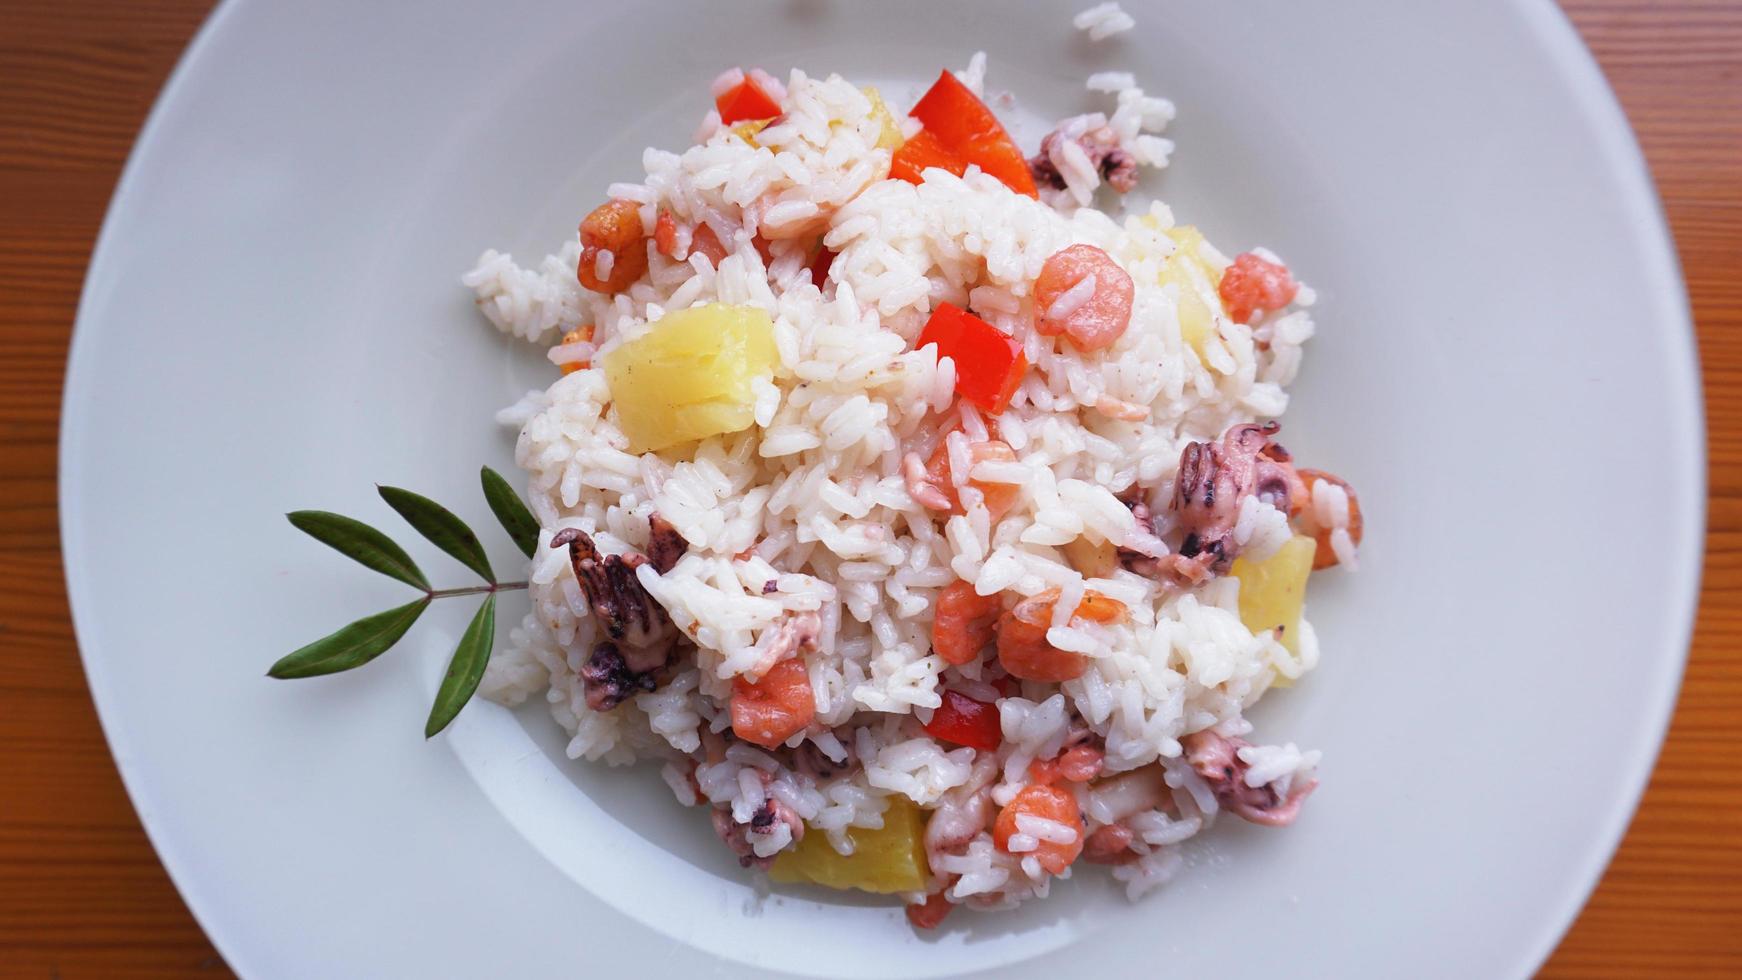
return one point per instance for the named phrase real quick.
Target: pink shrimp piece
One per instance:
(1254, 285)
(1081, 763)
(1113, 408)
(1110, 845)
(920, 486)
(964, 623)
(1082, 293)
(999, 498)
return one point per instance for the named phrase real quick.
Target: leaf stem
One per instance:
(476, 589)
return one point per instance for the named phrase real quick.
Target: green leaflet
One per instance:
(441, 527)
(360, 543)
(465, 670)
(510, 510)
(351, 646)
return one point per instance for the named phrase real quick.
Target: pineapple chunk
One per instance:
(1187, 270)
(1272, 591)
(690, 376)
(748, 129)
(890, 136)
(1190, 241)
(1094, 559)
(884, 861)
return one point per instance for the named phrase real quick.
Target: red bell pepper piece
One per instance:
(820, 265)
(745, 101)
(969, 131)
(924, 150)
(989, 363)
(965, 721)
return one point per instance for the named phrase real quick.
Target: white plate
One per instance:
(272, 321)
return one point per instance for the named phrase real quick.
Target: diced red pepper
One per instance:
(924, 150)
(745, 101)
(989, 363)
(820, 265)
(930, 913)
(965, 721)
(971, 132)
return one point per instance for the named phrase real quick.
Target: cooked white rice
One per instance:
(810, 510)
(1104, 20)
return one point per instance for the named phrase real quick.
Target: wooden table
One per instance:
(82, 893)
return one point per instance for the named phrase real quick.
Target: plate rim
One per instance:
(1555, 36)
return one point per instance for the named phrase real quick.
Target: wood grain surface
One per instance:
(83, 895)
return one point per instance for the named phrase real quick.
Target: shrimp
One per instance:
(1080, 761)
(1025, 653)
(1110, 844)
(964, 623)
(775, 708)
(1082, 293)
(1047, 803)
(1254, 285)
(1123, 411)
(669, 240)
(920, 485)
(613, 252)
(1022, 645)
(1344, 519)
(1000, 498)
(705, 242)
(582, 334)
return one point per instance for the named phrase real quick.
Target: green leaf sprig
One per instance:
(358, 643)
